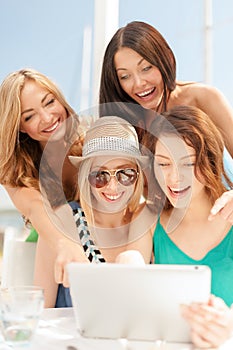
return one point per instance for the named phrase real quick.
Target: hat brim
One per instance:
(143, 160)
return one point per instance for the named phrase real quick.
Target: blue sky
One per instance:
(48, 36)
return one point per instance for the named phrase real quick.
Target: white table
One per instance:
(57, 331)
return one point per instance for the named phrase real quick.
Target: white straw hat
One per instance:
(111, 136)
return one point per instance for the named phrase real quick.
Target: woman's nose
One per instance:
(113, 183)
(45, 115)
(176, 174)
(138, 80)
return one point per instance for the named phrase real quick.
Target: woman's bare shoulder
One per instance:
(22, 192)
(196, 87)
(24, 198)
(194, 94)
(200, 90)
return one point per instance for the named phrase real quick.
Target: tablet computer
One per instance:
(136, 302)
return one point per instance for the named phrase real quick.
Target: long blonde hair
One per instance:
(20, 155)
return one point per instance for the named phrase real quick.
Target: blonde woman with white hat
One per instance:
(114, 215)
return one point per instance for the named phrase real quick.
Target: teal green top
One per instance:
(219, 259)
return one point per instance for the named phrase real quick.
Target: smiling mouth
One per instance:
(178, 191)
(112, 198)
(52, 127)
(146, 93)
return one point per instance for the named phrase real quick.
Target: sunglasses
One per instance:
(101, 178)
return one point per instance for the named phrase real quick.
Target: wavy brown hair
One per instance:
(199, 132)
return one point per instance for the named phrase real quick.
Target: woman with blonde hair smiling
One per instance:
(35, 116)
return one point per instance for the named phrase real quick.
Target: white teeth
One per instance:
(53, 127)
(111, 197)
(142, 94)
(177, 190)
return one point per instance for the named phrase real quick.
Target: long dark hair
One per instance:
(150, 44)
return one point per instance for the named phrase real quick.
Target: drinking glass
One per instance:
(20, 311)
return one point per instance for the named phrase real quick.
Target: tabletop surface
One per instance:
(57, 330)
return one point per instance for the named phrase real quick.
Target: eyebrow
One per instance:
(162, 156)
(31, 109)
(138, 64)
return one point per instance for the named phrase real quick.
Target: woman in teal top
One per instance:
(188, 167)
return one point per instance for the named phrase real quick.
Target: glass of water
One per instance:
(20, 311)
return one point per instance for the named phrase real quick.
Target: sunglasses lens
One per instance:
(99, 179)
(127, 177)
